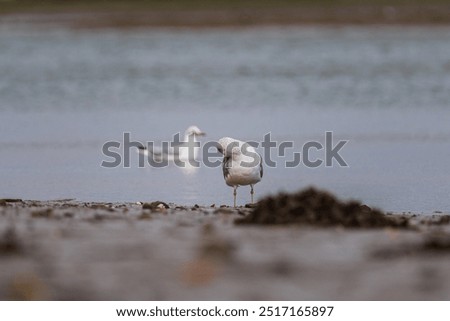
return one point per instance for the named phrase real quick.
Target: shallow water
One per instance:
(63, 93)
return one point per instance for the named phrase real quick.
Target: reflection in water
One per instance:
(189, 169)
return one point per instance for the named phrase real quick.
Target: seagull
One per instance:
(182, 153)
(242, 165)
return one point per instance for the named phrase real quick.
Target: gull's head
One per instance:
(195, 131)
(228, 146)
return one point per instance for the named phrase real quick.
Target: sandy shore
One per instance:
(67, 250)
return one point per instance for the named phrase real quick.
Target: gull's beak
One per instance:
(219, 148)
(201, 134)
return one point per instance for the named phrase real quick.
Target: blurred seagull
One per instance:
(182, 153)
(242, 165)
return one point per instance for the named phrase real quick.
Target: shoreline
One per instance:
(240, 16)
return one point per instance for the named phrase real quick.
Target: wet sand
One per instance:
(68, 250)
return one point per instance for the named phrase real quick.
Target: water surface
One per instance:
(64, 93)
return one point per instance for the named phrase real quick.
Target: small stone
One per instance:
(157, 205)
(223, 210)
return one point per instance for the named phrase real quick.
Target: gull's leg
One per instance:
(234, 194)
(251, 191)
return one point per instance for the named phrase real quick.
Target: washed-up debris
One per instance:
(319, 208)
(5, 201)
(12, 200)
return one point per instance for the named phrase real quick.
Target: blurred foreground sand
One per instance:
(67, 250)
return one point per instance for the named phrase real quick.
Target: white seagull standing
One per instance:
(182, 154)
(242, 165)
